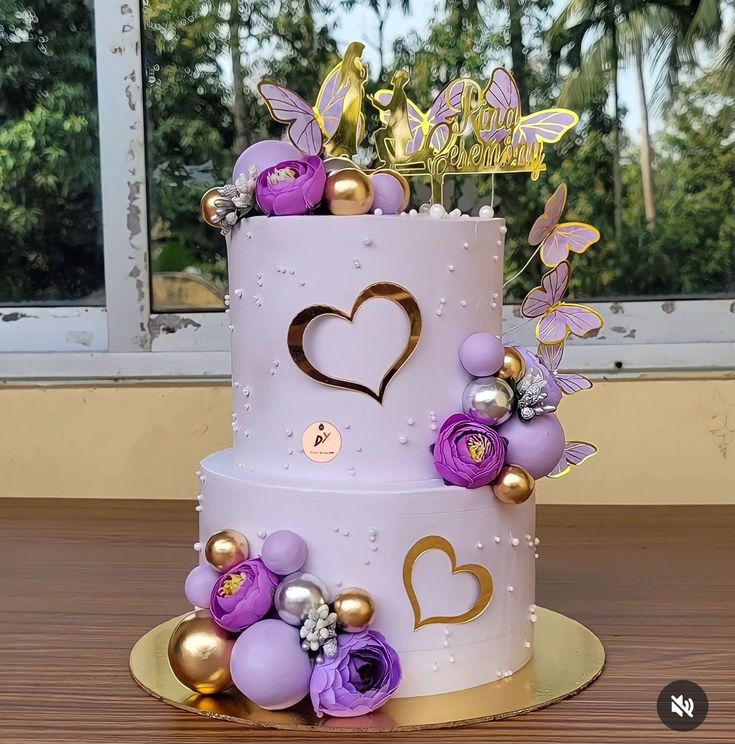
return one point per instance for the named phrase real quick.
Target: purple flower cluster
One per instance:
(291, 187)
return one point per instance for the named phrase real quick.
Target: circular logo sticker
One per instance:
(321, 441)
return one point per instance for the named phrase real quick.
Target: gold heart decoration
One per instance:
(483, 576)
(383, 291)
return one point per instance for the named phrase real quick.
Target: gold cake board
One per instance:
(566, 658)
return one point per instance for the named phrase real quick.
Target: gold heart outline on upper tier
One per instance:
(379, 291)
(483, 576)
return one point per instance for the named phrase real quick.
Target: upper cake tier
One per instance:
(345, 333)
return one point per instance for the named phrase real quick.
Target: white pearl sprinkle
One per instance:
(424, 209)
(451, 659)
(515, 542)
(197, 546)
(451, 267)
(248, 235)
(289, 432)
(445, 642)
(236, 384)
(465, 245)
(478, 546)
(246, 391)
(433, 427)
(435, 667)
(261, 534)
(371, 538)
(412, 213)
(348, 426)
(527, 644)
(503, 229)
(285, 466)
(366, 562)
(372, 531)
(198, 507)
(246, 433)
(499, 674)
(199, 498)
(335, 529)
(378, 211)
(535, 555)
(301, 282)
(356, 264)
(463, 303)
(510, 589)
(238, 293)
(499, 243)
(374, 548)
(367, 241)
(198, 472)
(493, 305)
(202, 478)
(533, 618)
(403, 439)
(437, 212)
(346, 533)
(496, 539)
(439, 312)
(338, 582)
(532, 608)
(495, 295)
(486, 212)
(411, 421)
(442, 300)
(537, 541)
(358, 449)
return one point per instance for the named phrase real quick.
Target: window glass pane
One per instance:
(663, 201)
(50, 249)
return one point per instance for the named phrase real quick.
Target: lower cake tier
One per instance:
(451, 570)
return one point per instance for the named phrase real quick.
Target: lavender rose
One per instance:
(243, 595)
(468, 453)
(362, 676)
(291, 187)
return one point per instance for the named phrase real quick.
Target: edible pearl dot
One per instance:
(535, 555)
(413, 213)
(238, 293)
(439, 312)
(197, 546)
(499, 674)
(378, 211)
(198, 507)
(301, 282)
(532, 608)
(433, 427)
(442, 300)
(465, 245)
(496, 539)
(537, 541)
(366, 562)
(285, 466)
(495, 295)
(248, 235)
(503, 229)
(436, 211)
(493, 305)
(451, 267)
(463, 303)
(451, 659)
(346, 533)
(372, 531)
(445, 643)
(289, 432)
(403, 439)
(411, 421)
(261, 534)
(435, 667)
(424, 209)
(510, 589)
(374, 548)
(527, 644)
(533, 618)
(367, 241)
(357, 264)
(199, 498)
(499, 243)
(479, 546)
(486, 212)
(335, 529)
(515, 542)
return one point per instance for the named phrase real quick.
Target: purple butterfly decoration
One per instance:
(569, 382)
(575, 453)
(558, 319)
(502, 96)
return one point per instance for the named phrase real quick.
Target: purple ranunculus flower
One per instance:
(291, 187)
(243, 595)
(362, 676)
(468, 453)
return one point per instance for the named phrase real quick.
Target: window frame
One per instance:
(126, 340)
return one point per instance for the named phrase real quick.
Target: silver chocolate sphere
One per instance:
(488, 400)
(297, 594)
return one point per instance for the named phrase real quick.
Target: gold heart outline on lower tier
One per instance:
(379, 291)
(483, 576)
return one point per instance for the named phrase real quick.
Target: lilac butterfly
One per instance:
(575, 453)
(558, 319)
(556, 240)
(434, 126)
(501, 95)
(309, 126)
(569, 382)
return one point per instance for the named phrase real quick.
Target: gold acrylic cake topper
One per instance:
(483, 576)
(468, 130)
(381, 290)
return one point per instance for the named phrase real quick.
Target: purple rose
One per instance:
(362, 676)
(468, 453)
(292, 186)
(243, 595)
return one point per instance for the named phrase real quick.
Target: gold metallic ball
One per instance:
(199, 654)
(225, 549)
(207, 207)
(348, 191)
(514, 365)
(355, 609)
(514, 485)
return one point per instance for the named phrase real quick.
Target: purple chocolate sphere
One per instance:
(536, 445)
(387, 193)
(283, 552)
(199, 583)
(481, 354)
(264, 154)
(269, 666)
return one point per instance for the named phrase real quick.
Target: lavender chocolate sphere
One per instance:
(536, 445)
(268, 665)
(481, 354)
(388, 193)
(264, 154)
(199, 583)
(284, 552)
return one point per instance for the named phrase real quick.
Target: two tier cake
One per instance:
(371, 532)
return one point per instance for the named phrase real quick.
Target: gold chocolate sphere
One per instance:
(207, 207)
(225, 549)
(355, 609)
(348, 191)
(337, 163)
(514, 365)
(514, 485)
(199, 653)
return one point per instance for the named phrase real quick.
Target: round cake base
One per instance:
(566, 658)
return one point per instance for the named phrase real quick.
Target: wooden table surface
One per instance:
(80, 581)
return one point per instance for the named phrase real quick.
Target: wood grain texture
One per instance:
(82, 580)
